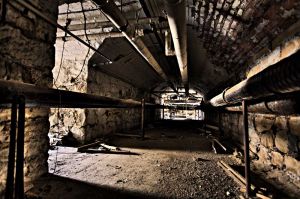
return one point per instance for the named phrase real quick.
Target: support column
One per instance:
(19, 190)
(143, 119)
(9, 193)
(246, 148)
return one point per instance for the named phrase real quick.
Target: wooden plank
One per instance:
(237, 180)
(81, 148)
(239, 176)
(212, 127)
(259, 195)
(127, 135)
(217, 141)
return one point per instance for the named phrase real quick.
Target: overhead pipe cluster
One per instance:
(176, 11)
(111, 10)
(282, 77)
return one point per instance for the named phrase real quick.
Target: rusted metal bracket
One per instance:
(2, 10)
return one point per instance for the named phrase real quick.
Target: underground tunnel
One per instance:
(150, 99)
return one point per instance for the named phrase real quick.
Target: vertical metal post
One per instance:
(3, 10)
(143, 118)
(163, 113)
(246, 148)
(9, 193)
(19, 189)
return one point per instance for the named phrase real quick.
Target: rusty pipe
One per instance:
(282, 77)
(48, 97)
(286, 105)
(110, 9)
(176, 11)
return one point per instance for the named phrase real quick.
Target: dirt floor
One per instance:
(172, 162)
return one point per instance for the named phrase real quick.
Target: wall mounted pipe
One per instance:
(282, 77)
(287, 106)
(176, 10)
(48, 97)
(110, 9)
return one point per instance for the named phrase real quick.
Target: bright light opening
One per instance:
(181, 106)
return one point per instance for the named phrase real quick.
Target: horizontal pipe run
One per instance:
(287, 106)
(282, 77)
(108, 24)
(113, 13)
(48, 97)
(96, 9)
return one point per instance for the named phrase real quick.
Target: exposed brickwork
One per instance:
(27, 55)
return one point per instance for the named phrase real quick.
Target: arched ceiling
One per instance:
(225, 38)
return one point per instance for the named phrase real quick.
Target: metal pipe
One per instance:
(153, 26)
(108, 24)
(49, 97)
(176, 10)
(109, 8)
(19, 188)
(9, 192)
(3, 11)
(246, 149)
(53, 23)
(282, 77)
(95, 9)
(143, 118)
(168, 45)
(282, 106)
(81, 34)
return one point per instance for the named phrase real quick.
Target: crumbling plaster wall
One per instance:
(274, 141)
(27, 55)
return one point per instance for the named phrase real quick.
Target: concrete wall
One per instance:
(27, 55)
(275, 140)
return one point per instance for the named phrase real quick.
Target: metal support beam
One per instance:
(246, 148)
(9, 192)
(19, 188)
(143, 118)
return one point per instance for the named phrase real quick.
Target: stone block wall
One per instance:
(103, 121)
(274, 140)
(27, 55)
(72, 72)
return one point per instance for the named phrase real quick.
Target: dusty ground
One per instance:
(170, 163)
